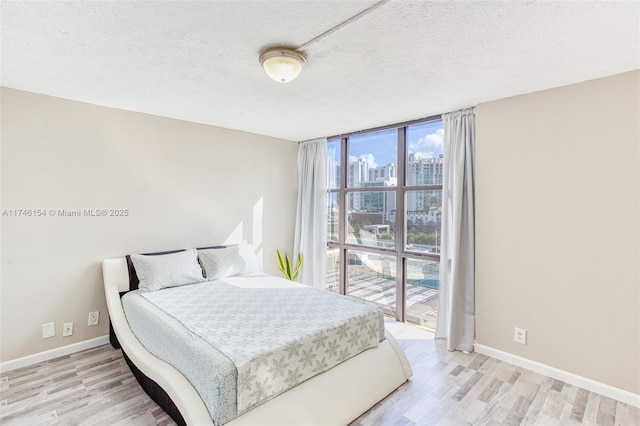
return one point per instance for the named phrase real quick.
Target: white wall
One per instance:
(184, 185)
(558, 228)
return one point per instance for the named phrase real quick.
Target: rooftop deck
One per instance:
(422, 302)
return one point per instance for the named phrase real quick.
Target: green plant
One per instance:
(285, 266)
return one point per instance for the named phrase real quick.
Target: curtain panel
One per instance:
(311, 216)
(456, 306)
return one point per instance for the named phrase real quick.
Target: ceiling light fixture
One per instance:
(282, 64)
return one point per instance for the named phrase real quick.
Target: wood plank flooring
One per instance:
(95, 387)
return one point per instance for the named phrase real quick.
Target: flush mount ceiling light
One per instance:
(282, 64)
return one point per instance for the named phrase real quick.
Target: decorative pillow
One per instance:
(167, 270)
(228, 261)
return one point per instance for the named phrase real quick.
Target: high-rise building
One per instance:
(382, 173)
(357, 175)
(378, 201)
(423, 171)
(420, 171)
(362, 176)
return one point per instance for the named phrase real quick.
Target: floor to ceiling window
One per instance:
(384, 206)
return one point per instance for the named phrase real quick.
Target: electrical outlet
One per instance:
(67, 329)
(48, 330)
(520, 336)
(94, 317)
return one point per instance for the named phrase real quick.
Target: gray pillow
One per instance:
(228, 261)
(167, 270)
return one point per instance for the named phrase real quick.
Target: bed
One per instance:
(349, 384)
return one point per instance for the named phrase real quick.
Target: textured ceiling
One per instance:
(198, 61)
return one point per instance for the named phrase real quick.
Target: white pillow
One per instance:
(167, 270)
(228, 261)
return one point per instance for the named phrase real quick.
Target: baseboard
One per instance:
(53, 353)
(573, 379)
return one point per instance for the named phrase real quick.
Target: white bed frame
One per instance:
(335, 397)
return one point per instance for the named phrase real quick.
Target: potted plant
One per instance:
(285, 266)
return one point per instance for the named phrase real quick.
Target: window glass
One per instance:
(333, 268)
(333, 164)
(423, 282)
(372, 159)
(423, 220)
(424, 154)
(372, 277)
(371, 218)
(333, 216)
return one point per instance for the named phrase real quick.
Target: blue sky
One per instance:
(380, 148)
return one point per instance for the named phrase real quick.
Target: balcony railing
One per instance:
(372, 277)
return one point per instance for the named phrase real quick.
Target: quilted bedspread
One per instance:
(276, 335)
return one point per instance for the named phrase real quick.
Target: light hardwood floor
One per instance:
(95, 387)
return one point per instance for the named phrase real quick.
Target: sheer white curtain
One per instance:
(311, 217)
(456, 308)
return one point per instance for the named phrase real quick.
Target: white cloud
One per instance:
(429, 146)
(369, 158)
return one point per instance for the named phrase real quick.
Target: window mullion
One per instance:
(400, 225)
(344, 211)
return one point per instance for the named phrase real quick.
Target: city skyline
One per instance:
(379, 148)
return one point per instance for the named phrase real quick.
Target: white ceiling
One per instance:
(198, 61)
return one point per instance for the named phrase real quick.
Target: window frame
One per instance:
(400, 251)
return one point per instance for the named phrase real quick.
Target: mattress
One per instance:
(244, 340)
